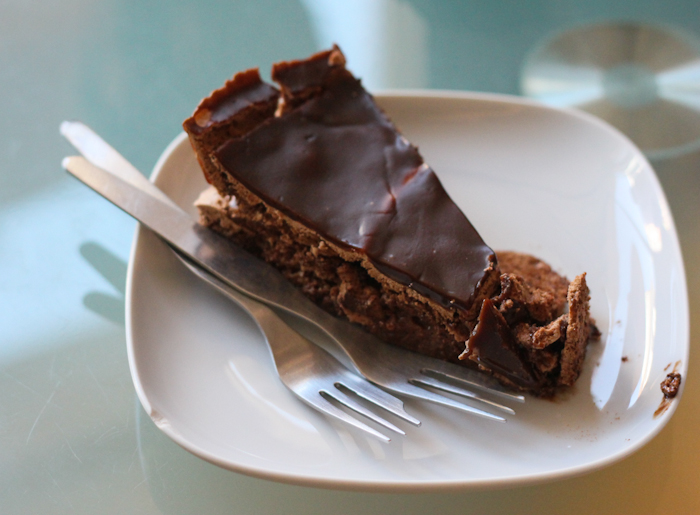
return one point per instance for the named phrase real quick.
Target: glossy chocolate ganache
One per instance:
(315, 179)
(337, 165)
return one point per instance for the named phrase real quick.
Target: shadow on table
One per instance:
(113, 269)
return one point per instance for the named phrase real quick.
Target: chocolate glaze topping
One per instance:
(336, 164)
(311, 73)
(244, 90)
(492, 345)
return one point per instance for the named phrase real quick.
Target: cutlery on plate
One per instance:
(307, 370)
(395, 369)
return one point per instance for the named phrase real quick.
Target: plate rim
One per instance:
(420, 486)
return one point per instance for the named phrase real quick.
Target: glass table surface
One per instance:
(73, 436)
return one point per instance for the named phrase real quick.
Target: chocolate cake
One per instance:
(315, 179)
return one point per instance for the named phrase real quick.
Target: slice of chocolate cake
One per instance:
(316, 180)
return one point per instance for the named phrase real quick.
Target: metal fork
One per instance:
(414, 375)
(395, 369)
(308, 371)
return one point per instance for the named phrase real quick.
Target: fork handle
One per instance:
(274, 329)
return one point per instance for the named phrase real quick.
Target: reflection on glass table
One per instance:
(643, 79)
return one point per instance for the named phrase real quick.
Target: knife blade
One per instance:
(214, 253)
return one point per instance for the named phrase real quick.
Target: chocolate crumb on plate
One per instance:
(671, 385)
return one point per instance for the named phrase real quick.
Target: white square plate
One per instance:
(561, 185)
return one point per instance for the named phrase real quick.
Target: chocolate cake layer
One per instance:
(317, 181)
